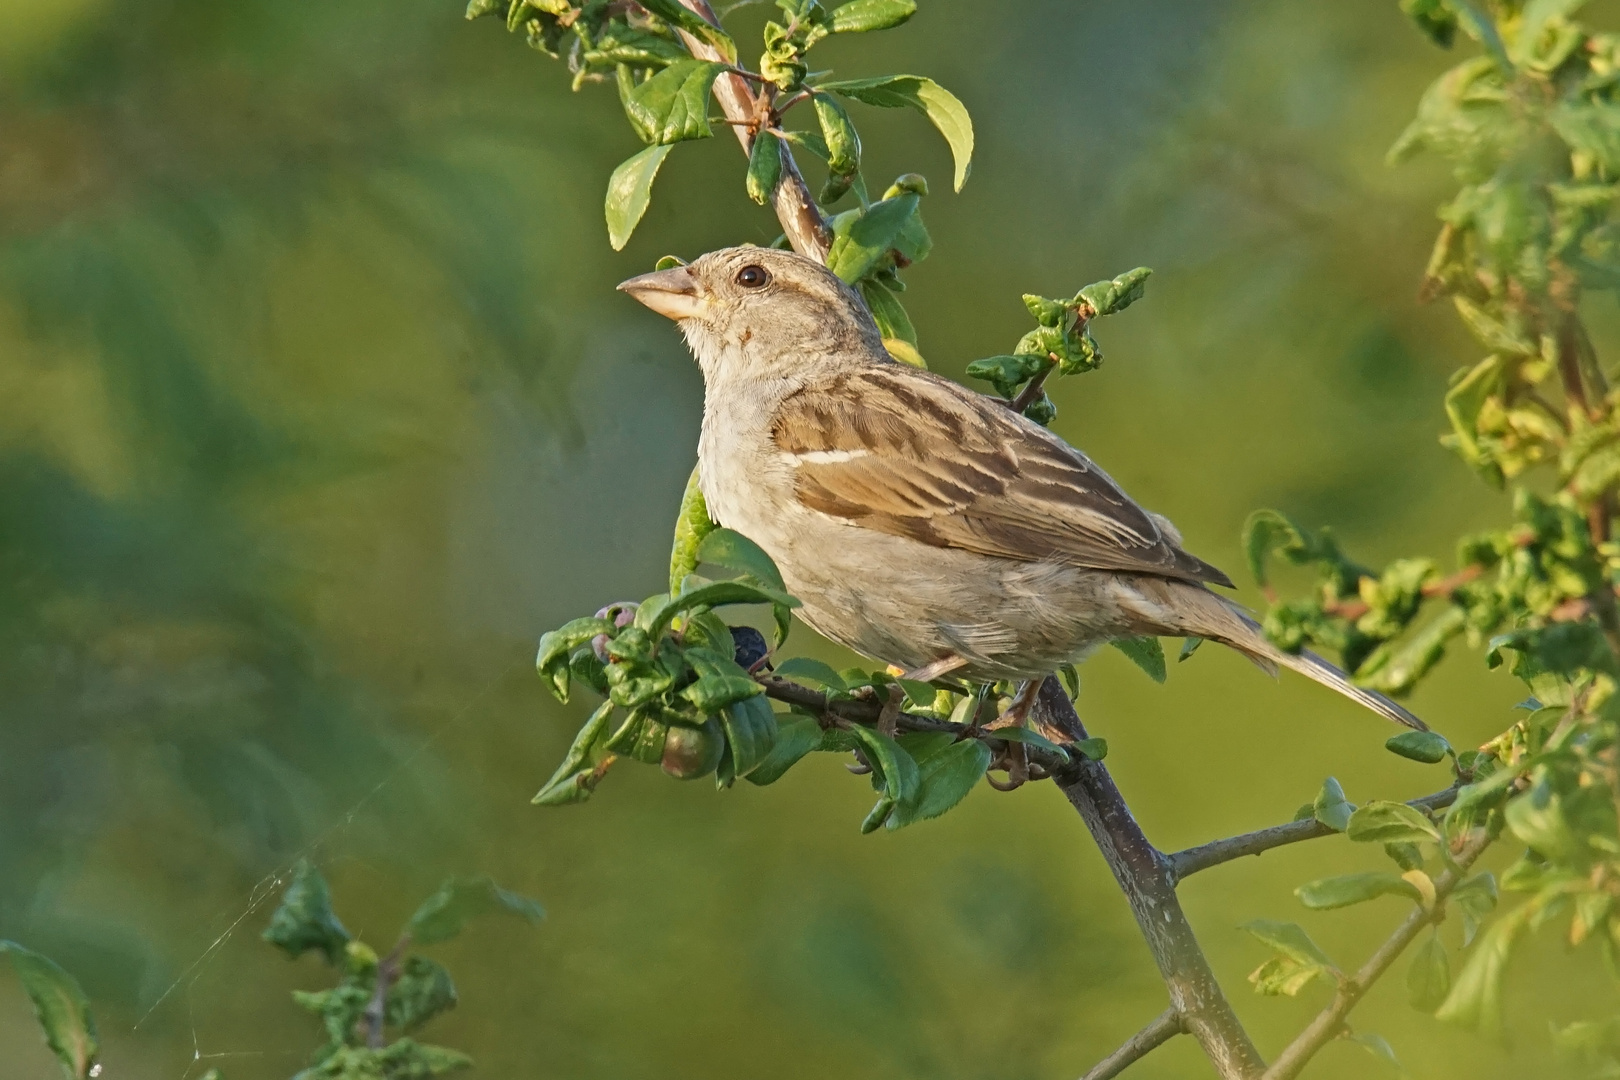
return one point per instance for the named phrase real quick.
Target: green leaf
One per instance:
(551, 661)
(1390, 823)
(866, 240)
(655, 614)
(764, 167)
(1428, 747)
(1092, 749)
(60, 1007)
(897, 769)
(1475, 1000)
(920, 694)
(1348, 889)
(891, 318)
(1537, 818)
(575, 779)
(1266, 531)
(1108, 297)
(1378, 1047)
(305, 919)
(838, 134)
(860, 16)
(1331, 808)
(1289, 939)
(692, 526)
(734, 551)
(1188, 647)
(933, 100)
(944, 779)
(808, 669)
(794, 740)
(750, 728)
(423, 991)
(712, 693)
(1007, 373)
(1146, 653)
(628, 193)
(673, 105)
(1428, 977)
(1433, 18)
(672, 11)
(446, 913)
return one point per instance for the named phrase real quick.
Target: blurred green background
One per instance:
(317, 406)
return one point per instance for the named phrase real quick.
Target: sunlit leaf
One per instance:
(575, 779)
(1389, 823)
(734, 551)
(1425, 746)
(673, 105)
(692, 525)
(764, 167)
(1475, 1000)
(860, 16)
(933, 100)
(1347, 889)
(629, 191)
(675, 12)
(1331, 808)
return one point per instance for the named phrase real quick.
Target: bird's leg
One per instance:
(889, 718)
(1022, 702)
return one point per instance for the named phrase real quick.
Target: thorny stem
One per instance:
(1188, 862)
(795, 207)
(1164, 1027)
(1329, 1023)
(1145, 877)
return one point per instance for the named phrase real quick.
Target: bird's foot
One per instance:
(1018, 711)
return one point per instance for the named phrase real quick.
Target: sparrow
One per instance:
(920, 523)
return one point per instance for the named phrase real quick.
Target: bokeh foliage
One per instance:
(440, 448)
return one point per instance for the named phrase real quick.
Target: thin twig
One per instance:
(1144, 876)
(1032, 389)
(795, 207)
(1191, 860)
(1166, 1026)
(1329, 1023)
(376, 1012)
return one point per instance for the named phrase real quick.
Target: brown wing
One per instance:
(905, 452)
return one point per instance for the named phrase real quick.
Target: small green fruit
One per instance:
(692, 753)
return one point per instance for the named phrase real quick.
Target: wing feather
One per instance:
(908, 453)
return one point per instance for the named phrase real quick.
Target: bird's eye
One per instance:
(753, 277)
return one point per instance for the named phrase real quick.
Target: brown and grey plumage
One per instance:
(921, 523)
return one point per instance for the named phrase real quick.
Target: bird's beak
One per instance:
(672, 293)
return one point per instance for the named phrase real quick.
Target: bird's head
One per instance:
(752, 311)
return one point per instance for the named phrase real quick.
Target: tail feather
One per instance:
(1204, 614)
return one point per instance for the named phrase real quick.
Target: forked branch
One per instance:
(1166, 1026)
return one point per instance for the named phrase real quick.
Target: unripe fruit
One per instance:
(691, 753)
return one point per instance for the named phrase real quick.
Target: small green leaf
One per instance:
(1428, 747)
(423, 991)
(838, 134)
(891, 318)
(60, 1007)
(1092, 749)
(1428, 977)
(750, 728)
(1378, 1047)
(1390, 822)
(1347, 889)
(1146, 653)
(712, 693)
(692, 526)
(1108, 297)
(794, 740)
(673, 105)
(933, 100)
(734, 551)
(1289, 939)
(764, 167)
(446, 913)
(1188, 647)
(944, 779)
(628, 193)
(1331, 808)
(866, 240)
(551, 660)
(305, 919)
(808, 669)
(860, 16)
(897, 768)
(575, 779)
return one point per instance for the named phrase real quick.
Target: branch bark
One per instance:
(795, 207)
(1204, 856)
(1329, 1023)
(1166, 1026)
(1144, 875)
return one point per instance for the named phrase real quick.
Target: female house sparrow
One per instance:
(921, 523)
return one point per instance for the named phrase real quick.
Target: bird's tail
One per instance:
(1202, 613)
